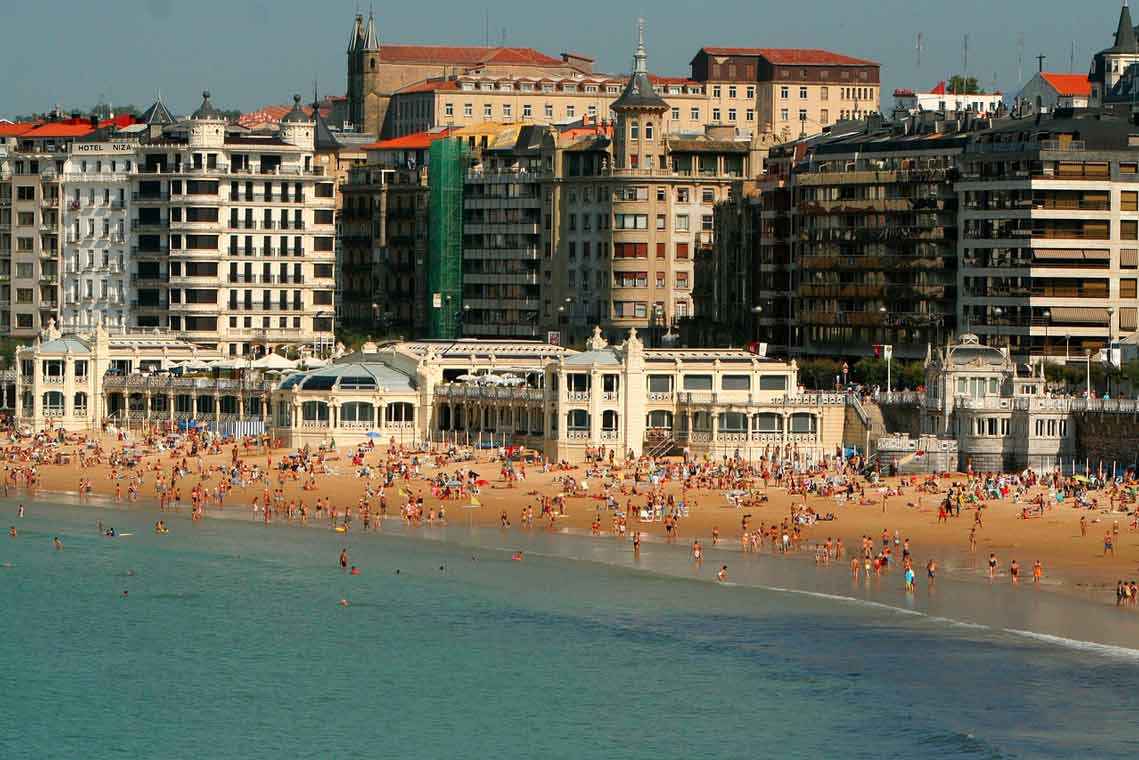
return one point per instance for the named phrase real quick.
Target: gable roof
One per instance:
(59, 129)
(415, 141)
(16, 129)
(793, 56)
(465, 55)
(158, 113)
(1068, 84)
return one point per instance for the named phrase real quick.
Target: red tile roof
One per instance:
(416, 141)
(470, 56)
(794, 56)
(430, 85)
(671, 80)
(1068, 84)
(15, 129)
(59, 129)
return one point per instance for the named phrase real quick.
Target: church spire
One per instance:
(371, 41)
(640, 58)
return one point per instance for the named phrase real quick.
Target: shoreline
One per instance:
(991, 611)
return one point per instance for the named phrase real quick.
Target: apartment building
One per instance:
(502, 235)
(627, 215)
(234, 234)
(788, 91)
(469, 99)
(1049, 247)
(381, 280)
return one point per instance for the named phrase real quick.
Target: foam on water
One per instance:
(1104, 650)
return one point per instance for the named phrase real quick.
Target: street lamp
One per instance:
(888, 350)
(756, 311)
(658, 320)
(1047, 315)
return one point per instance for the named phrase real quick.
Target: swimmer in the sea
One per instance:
(722, 573)
(20, 511)
(56, 543)
(343, 559)
(12, 531)
(343, 602)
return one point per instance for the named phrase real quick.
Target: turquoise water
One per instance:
(231, 644)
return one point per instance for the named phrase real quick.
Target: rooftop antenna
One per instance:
(1072, 57)
(1019, 58)
(920, 44)
(965, 57)
(1040, 62)
(486, 27)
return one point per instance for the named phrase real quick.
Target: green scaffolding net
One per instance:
(446, 169)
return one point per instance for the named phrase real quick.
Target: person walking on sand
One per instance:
(1037, 571)
(1083, 525)
(992, 566)
(931, 571)
(1014, 571)
(1108, 544)
(697, 553)
(344, 559)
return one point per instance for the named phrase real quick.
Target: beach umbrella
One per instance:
(374, 435)
(467, 378)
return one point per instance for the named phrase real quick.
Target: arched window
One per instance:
(205, 405)
(702, 422)
(53, 404)
(659, 420)
(733, 422)
(400, 411)
(373, 63)
(609, 420)
(577, 419)
(227, 404)
(357, 411)
(648, 130)
(802, 422)
(314, 411)
(767, 423)
(80, 403)
(634, 130)
(29, 403)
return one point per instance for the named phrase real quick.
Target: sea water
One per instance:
(231, 642)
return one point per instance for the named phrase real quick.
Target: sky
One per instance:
(249, 53)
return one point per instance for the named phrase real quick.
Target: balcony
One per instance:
(154, 224)
(155, 278)
(152, 197)
(262, 306)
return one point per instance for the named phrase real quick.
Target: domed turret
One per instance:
(207, 125)
(297, 127)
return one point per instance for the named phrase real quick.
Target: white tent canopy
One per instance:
(274, 361)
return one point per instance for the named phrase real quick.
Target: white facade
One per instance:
(940, 100)
(1047, 91)
(234, 235)
(96, 193)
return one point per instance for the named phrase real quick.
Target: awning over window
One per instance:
(1083, 315)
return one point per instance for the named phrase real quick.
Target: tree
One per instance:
(819, 374)
(963, 85)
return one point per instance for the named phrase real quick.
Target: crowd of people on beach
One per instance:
(629, 496)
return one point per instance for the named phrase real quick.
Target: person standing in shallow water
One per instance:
(343, 559)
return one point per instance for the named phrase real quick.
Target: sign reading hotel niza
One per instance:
(102, 148)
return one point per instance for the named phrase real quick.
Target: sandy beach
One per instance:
(1072, 563)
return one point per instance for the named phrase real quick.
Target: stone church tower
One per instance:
(367, 103)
